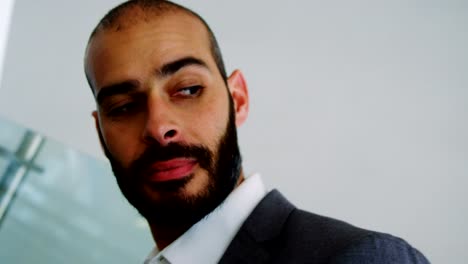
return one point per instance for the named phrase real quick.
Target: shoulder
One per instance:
(277, 232)
(379, 248)
(330, 240)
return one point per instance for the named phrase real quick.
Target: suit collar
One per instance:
(260, 232)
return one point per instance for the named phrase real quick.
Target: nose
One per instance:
(160, 125)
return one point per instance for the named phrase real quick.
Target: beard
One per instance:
(174, 208)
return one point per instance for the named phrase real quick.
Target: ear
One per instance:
(98, 130)
(96, 120)
(240, 96)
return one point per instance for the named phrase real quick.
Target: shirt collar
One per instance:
(207, 240)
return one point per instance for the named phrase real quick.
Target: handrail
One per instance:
(21, 162)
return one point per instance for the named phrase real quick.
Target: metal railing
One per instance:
(20, 163)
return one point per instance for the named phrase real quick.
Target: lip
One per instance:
(172, 169)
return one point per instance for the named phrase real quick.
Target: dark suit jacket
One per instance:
(278, 232)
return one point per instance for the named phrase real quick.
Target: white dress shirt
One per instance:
(206, 241)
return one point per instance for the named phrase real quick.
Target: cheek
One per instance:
(211, 123)
(122, 143)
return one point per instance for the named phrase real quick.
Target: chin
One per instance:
(197, 183)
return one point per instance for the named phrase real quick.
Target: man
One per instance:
(166, 117)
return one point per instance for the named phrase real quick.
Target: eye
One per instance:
(123, 109)
(189, 91)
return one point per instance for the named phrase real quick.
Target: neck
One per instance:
(164, 235)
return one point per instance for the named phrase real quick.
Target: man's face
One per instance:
(165, 117)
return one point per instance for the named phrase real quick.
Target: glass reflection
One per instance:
(70, 212)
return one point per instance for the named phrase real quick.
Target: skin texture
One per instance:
(189, 106)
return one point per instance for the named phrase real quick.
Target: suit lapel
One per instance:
(259, 235)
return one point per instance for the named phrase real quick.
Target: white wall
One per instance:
(359, 109)
(6, 7)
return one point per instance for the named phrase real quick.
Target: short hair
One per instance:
(114, 20)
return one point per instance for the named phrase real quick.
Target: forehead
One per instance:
(146, 45)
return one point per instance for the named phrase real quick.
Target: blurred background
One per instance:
(359, 111)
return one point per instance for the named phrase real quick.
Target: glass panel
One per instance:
(10, 134)
(3, 166)
(71, 212)
(10, 137)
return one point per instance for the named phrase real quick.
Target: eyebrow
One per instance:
(174, 66)
(165, 71)
(115, 89)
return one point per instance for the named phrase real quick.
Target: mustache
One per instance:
(155, 153)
